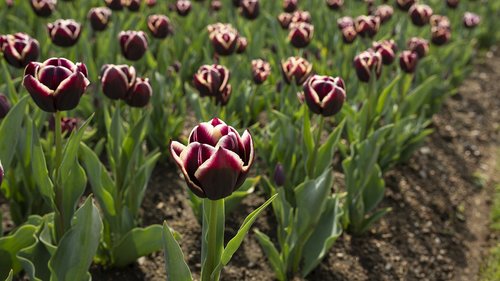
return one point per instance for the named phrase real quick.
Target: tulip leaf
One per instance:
(11, 88)
(367, 224)
(382, 100)
(175, 265)
(40, 171)
(10, 276)
(374, 191)
(78, 246)
(326, 151)
(8, 128)
(417, 97)
(11, 244)
(306, 131)
(35, 258)
(272, 255)
(137, 243)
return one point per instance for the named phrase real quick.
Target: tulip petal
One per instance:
(114, 83)
(67, 96)
(41, 94)
(247, 141)
(176, 149)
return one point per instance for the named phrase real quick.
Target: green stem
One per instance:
(213, 241)
(317, 141)
(59, 220)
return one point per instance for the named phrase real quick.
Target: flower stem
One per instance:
(317, 141)
(214, 238)
(59, 220)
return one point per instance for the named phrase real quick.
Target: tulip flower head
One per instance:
(115, 5)
(439, 20)
(151, 3)
(408, 61)
(57, 84)
(367, 26)
(4, 106)
(249, 9)
(241, 45)
(224, 38)
(300, 34)
(405, 5)
(453, 4)
(140, 93)
(213, 81)
(183, 7)
(260, 71)
(301, 16)
(159, 26)
(324, 95)
(289, 5)
(368, 63)
(285, 19)
(387, 49)
(64, 33)
(335, 4)
(216, 5)
(296, 69)
(419, 46)
(133, 44)
(19, 49)
(117, 80)
(279, 175)
(440, 35)
(471, 20)
(420, 14)
(344, 22)
(132, 5)
(99, 18)
(349, 34)
(216, 160)
(43, 8)
(384, 13)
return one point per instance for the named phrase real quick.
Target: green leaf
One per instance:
(374, 191)
(175, 265)
(40, 171)
(236, 197)
(10, 125)
(137, 243)
(382, 100)
(35, 258)
(306, 131)
(374, 218)
(10, 276)
(10, 245)
(78, 246)
(417, 97)
(326, 151)
(272, 255)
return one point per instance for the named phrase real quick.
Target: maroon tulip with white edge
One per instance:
(324, 95)
(64, 33)
(19, 49)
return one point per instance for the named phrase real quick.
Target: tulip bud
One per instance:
(296, 69)
(43, 8)
(132, 5)
(224, 38)
(250, 9)
(151, 3)
(285, 19)
(260, 71)
(99, 18)
(453, 4)
(116, 80)
(140, 93)
(301, 16)
(367, 26)
(324, 95)
(349, 34)
(335, 4)
(279, 175)
(439, 20)
(133, 44)
(440, 35)
(241, 45)
(384, 13)
(216, 160)
(68, 124)
(64, 33)
(216, 5)
(405, 5)
(160, 26)
(183, 7)
(289, 5)
(56, 84)
(387, 49)
(471, 20)
(419, 46)
(344, 22)
(213, 81)
(4, 106)
(367, 63)
(115, 5)
(19, 49)
(300, 34)
(420, 14)
(408, 61)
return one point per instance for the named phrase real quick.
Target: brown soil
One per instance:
(438, 229)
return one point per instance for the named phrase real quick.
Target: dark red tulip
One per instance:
(9, 4)
(19, 49)
(213, 81)
(236, 3)
(183, 7)
(285, 19)
(440, 35)
(132, 5)
(367, 26)
(408, 61)
(384, 12)
(452, 3)
(64, 33)
(43, 8)
(4, 106)
(56, 84)
(301, 16)
(279, 175)
(296, 69)
(387, 49)
(241, 45)
(68, 124)
(419, 46)
(151, 3)
(335, 4)
(439, 20)
(99, 18)
(420, 14)
(260, 71)
(117, 80)
(216, 160)
(160, 26)
(216, 5)
(405, 5)
(133, 44)
(224, 38)
(115, 5)
(289, 5)
(367, 63)
(344, 22)
(300, 34)
(250, 9)
(349, 34)
(140, 93)
(471, 20)
(324, 95)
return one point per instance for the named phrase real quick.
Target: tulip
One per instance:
(115, 5)
(440, 35)
(64, 33)
(419, 46)
(183, 7)
(344, 22)
(439, 20)
(301, 16)
(405, 5)
(140, 93)
(241, 45)
(133, 44)
(132, 5)
(117, 80)
(216, 5)
(367, 63)
(300, 34)
(224, 38)
(43, 8)
(56, 84)
(151, 3)
(335, 4)
(260, 71)
(9, 4)
(296, 69)
(250, 9)
(285, 19)
(387, 49)
(420, 14)
(99, 18)
(4, 106)
(367, 26)
(349, 34)
(408, 61)
(213, 81)
(324, 95)
(159, 26)
(19, 49)
(289, 5)
(452, 3)
(68, 124)
(471, 20)
(384, 12)
(216, 160)
(279, 175)
(236, 3)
